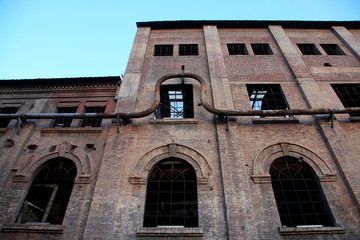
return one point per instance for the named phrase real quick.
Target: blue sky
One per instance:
(89, 38)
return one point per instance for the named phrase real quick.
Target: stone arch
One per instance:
(263, 161)
(142, 168)
(66, 150)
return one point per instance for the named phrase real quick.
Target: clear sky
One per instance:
(90, 38)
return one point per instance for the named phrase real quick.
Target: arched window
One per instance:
(299, 198)
(49, 193)
(171, 197)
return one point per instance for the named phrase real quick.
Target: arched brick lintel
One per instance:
(269, 154)
(141, 171)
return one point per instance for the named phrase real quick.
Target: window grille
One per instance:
(237, 49)
(332, 49)
(349, 95)
(4, 122)
(266, 97)
(261, 49)
(171, 196)
(64, 122)
(308, 49)
(176, 101)
(49, 193)
(298, 194)
(93, 122)
(188, 49)
(163, 50)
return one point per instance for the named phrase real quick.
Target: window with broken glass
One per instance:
(266, 97)
(261, 49)
(49, 193)
(308, 49)
(163, 50)
(188, 49)
(176, 101)
(171, 196)
(349, 95)
(4, 122)
(64, 122)
(299, 198)
(237, 49)
(332, 49)
(93, 122)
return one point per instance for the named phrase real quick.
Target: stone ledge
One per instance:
(72, 130)
(275, 120)
(310, 230)
(32, 228)
(170, 231)
(174, 121)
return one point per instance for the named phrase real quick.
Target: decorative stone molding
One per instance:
(269, 154)
(143, 167)
(307, 230)
(32, 228)
(170, 232)
(80, 158)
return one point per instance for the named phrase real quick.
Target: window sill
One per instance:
(32, 228)
(310, 230)
(354, 119)
(3, 130)
(175, 121)
(72, 130)
(275, 120)
(170, 231)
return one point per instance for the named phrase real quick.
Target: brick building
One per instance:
(218, 130)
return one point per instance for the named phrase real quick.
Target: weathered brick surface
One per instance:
(231, 204)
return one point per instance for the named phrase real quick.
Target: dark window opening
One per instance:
(188, 49)
(266, 97)
(176, 101)
(171, 195)
(298, 194)
(349, 95)
(237, 49)
(308, 49)
(49, 193)
(261, 49)
(4, 122)
(332, 49)
(64, 122)
(93, 122)
(163, 50)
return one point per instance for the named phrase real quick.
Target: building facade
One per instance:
(218, 130)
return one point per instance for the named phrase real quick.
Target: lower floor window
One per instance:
(171, 197)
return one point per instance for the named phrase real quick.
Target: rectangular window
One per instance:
(349, 95)
(188, 49)
(266, 97)
(261, 49)
(237, 49)
(308, 49)
(64, 122)
(163, 50)
(6, 110)
(93, 122)
(332, 49)
(176, 101)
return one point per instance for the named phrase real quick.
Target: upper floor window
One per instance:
(4, 122)
(266, 97)
(308, 49)
(349, 95)
(171, 195)
(64, 122)
(93, 122)
(163, 50)
(332, 49)
(49, 194)
(261, 49)
(298, 195)
(176, 101)
(188, 49)
(237, 49)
